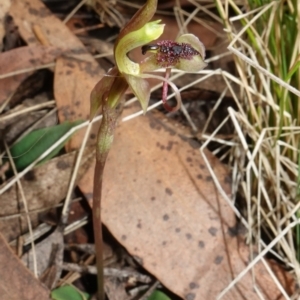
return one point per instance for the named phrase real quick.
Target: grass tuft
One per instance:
(264, 37)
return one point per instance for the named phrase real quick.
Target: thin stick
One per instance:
(66, 208)
(27, 110)
(258, 257)
(73, 12)
(35, 269)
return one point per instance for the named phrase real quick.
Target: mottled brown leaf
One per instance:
(21, 59)
(17, 282)
(41, 191)
(160, 202)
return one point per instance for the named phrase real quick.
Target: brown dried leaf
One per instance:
(4, 9)
(75, 74)
(21, 59)
(264, 280)
(160, 202)
(49, 258)
(33, 15)
(17, 282)
(37, 184)
(12, 37)
(13, 127)
(73, 83)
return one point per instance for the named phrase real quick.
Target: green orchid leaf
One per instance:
(101, 90)
(140, 88)
(68, 292)
(146, 34)
(158, 295)
(34, 144)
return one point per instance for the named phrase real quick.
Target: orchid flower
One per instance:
(187, 53)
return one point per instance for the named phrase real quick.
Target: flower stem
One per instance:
(165, 93)
(97, 224)
(104, 141)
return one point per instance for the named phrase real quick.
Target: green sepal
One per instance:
(101, 90)
(117, 91)
(140, 88)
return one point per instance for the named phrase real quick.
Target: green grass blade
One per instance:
(298, 212)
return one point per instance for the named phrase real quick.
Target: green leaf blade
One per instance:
(158, 295)
(68, 292)
(34, 144)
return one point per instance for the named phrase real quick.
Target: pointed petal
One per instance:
(101, 90)
(140, 88)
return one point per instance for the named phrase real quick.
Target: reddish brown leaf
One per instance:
(73, 83)
(49, 258)
(4, 9)
(28, 15)
(17, 282)
(22, 59)
(160, 202)
(37, 184)
(75, 75)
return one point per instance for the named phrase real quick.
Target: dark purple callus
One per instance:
(168, 53)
